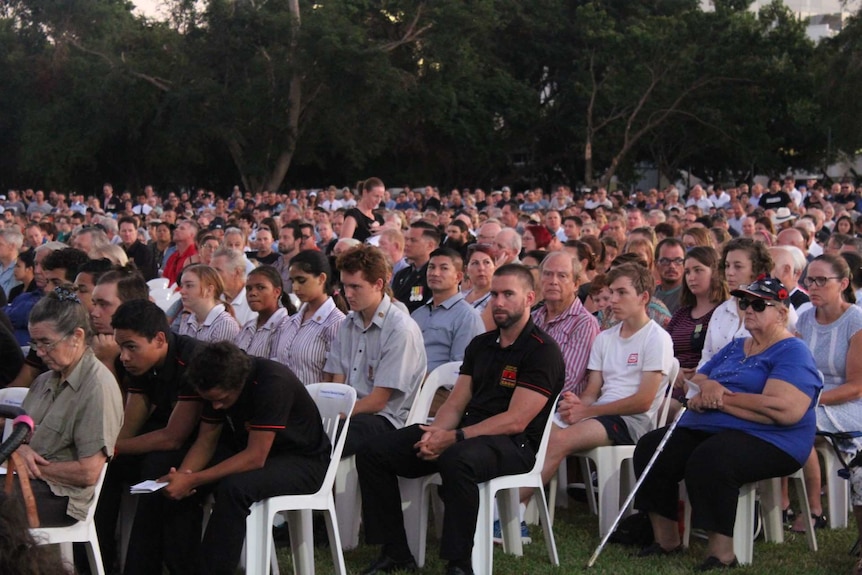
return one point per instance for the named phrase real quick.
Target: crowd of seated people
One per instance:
(279, 290)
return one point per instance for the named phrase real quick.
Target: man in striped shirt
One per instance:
(564, 318)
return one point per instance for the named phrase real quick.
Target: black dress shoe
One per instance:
(713, 562)
(656, 549)
(458, 570)
(385, 564)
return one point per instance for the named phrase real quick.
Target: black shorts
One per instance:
(616, 428)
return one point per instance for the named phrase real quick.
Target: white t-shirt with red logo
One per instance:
(622, 362)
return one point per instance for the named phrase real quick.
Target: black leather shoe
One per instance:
(457, 570)
(656, 549)
(385, 564)
(713, 562)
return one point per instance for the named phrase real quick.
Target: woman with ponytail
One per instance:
(306, 337)
(264, 292)
(360, 223)
(210, 319)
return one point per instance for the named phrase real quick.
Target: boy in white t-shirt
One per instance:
(627, 366)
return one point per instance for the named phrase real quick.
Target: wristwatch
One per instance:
(459, 435)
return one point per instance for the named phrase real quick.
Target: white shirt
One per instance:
(241, 311)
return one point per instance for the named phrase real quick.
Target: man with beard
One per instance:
(458, 237)
(670, 257)
(489, 426)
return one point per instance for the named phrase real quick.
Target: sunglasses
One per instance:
(757, 305)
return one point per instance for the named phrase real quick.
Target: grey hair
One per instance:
(572, 255)
(51, 247)
(13, 238)
(112, 252)
(235, 260)
(65, 314)
(99, 237)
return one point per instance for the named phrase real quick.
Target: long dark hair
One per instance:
(315, 262)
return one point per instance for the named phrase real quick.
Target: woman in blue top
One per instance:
(752, 419)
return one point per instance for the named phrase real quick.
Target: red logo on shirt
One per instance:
(633, 359)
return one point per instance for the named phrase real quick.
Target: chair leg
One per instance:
(94, 554)
(348, 503)
(415, 510)
(547, 526)
(483, 538)
(837, 489)
(592, 498)
(799, 482)
(608, 473)
(510, 521)
(770, 507)
(301, 541)
(743, 531)
(256, 539)
(335, 540)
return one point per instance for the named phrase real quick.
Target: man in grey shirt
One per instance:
(448, 323)
(378, 351)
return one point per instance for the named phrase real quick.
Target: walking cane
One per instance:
(640, 480)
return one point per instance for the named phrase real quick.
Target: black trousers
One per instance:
(714, 466)
(363, 428)
(282, 474)
(51, 508)
(463, 466)
(164, 531)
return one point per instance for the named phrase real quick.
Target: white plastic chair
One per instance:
(770, 505)
(348, 502)
(80, 532)
(158, 283)
(837, 488)
(508, 504)
(332, 399)
(613, 464)
(12, 396)
(164, 298)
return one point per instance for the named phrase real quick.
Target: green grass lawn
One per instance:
(576, 533)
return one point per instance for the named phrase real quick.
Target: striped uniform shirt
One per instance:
(219, 325)
(258, 341)
(302, 346)
(574, 330)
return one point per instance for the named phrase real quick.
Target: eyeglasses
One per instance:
(45, 346)
(818, 281)
(757, 305)
(669, 261)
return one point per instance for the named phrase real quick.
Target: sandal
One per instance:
(817, 521)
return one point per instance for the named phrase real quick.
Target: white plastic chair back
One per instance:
(158, 283)
(164, 298)
(443, 376)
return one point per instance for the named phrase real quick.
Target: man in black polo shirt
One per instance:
(161, 414)
(410, 285)
(273, 444)
(490, 425)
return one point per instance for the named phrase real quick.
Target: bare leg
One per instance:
(665, 531)
(720, 547)
(811, 472)
(581, 436)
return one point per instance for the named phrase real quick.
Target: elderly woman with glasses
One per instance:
(751, 417)
(77, 408)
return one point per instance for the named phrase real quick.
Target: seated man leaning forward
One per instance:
(378, 351)
(626, 368)
(77, 409)
(490, 425)
(273, 444)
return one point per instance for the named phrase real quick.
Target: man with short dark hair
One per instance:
(274, 442)
(161, 413)
(448, 323)
(136, 250)
(61, 267)
(410, 285)
(489, 426)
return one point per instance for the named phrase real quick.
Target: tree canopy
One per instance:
(269, 93)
